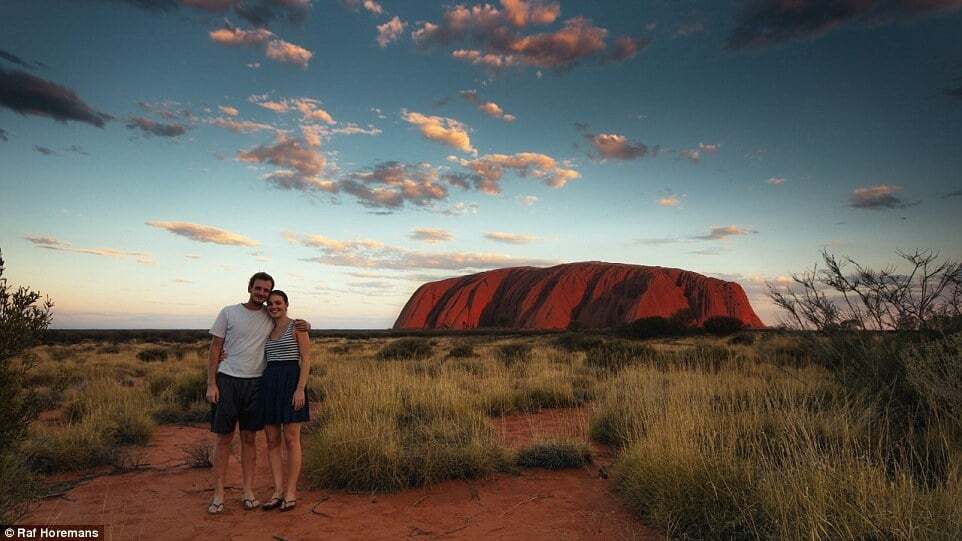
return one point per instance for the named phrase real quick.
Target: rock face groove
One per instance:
(591, 294)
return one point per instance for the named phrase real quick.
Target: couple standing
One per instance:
(258, 368)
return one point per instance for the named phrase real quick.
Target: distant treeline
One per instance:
(73, 336)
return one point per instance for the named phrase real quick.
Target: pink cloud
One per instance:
(441, 129)
(390, 31)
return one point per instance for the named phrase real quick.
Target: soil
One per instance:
(162, 497)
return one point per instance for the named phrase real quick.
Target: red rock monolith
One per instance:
(591, 295)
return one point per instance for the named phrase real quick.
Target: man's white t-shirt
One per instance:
(244, 332)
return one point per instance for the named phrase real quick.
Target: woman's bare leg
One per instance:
(292, 438)
(273, 433)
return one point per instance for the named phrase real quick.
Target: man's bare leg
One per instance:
(248, 462)
(221, 460)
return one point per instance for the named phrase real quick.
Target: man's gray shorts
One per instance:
(237, 403)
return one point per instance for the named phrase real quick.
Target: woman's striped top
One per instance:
(284, 348)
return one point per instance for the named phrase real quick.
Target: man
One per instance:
(235, 365)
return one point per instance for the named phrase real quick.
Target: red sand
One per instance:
(168, 500)
(593, 295)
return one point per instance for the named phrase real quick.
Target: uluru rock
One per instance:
(591, 294)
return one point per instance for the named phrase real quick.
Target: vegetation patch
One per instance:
(405, 349)
(554, 455)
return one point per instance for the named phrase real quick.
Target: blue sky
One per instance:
(157, 152)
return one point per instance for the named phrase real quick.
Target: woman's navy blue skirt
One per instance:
(276, 394)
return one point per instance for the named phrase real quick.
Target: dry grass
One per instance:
(716, 438)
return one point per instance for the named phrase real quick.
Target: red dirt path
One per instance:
(168, 500)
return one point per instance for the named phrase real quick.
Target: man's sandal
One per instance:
(287, 505)
(251, 503)
(274, 503)
(215, 508)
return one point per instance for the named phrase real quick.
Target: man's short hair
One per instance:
(260, 276)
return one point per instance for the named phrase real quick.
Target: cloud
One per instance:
(769, 22)
(527, 200)
(4, 135)
(315, 134)
(150, 127)
(878, 197)
(371, 254)
(241, 126)
(310, 110)
(169, 110)
(626, 48)
(431, 235)
(390, 31)
(458, 209)
(489, 108)
(394, 184)
(204, 233)
(287, 153)
(669, 201)
(14, 59)
(776, 181)
(50, 243)
(228, 110)
(274, 48)
(509, 238)
(499, 44)
(183, 281)
(44, 150)
(288, 53)
(441, 129)
(721, 233)
(286, 179)
(521, 13)
(614, 146)
(956, 193)
(488, 170)
(369, 5)
(28, 95)
(695, 154)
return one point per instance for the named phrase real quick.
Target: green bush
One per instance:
(554, 455)
(742, 339)
(655, 327)
(723, 325)
(405, 349)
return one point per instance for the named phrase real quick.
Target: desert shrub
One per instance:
(23, 320)
(152, 354)
(515, 352)
(554, 455)
(617, 354)
(742, 339)
(656, 327)
(723, 325)
(74, 446)
(574, 341)
(199, 456)
(405, 349)
(461, 351)
(169, 413)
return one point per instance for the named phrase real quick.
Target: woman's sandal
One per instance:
(273, 503)
(251, 503)
(215, 508)
(287, 505)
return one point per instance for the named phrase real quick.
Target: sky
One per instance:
(156, 153)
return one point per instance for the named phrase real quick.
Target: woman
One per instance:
(283, 402)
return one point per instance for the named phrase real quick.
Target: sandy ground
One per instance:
(166, 499)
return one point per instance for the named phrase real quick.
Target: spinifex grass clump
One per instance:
(554, 455)
(153, 354)
(761, 452)
(386, 429)
(97, 419)
(406, 348)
